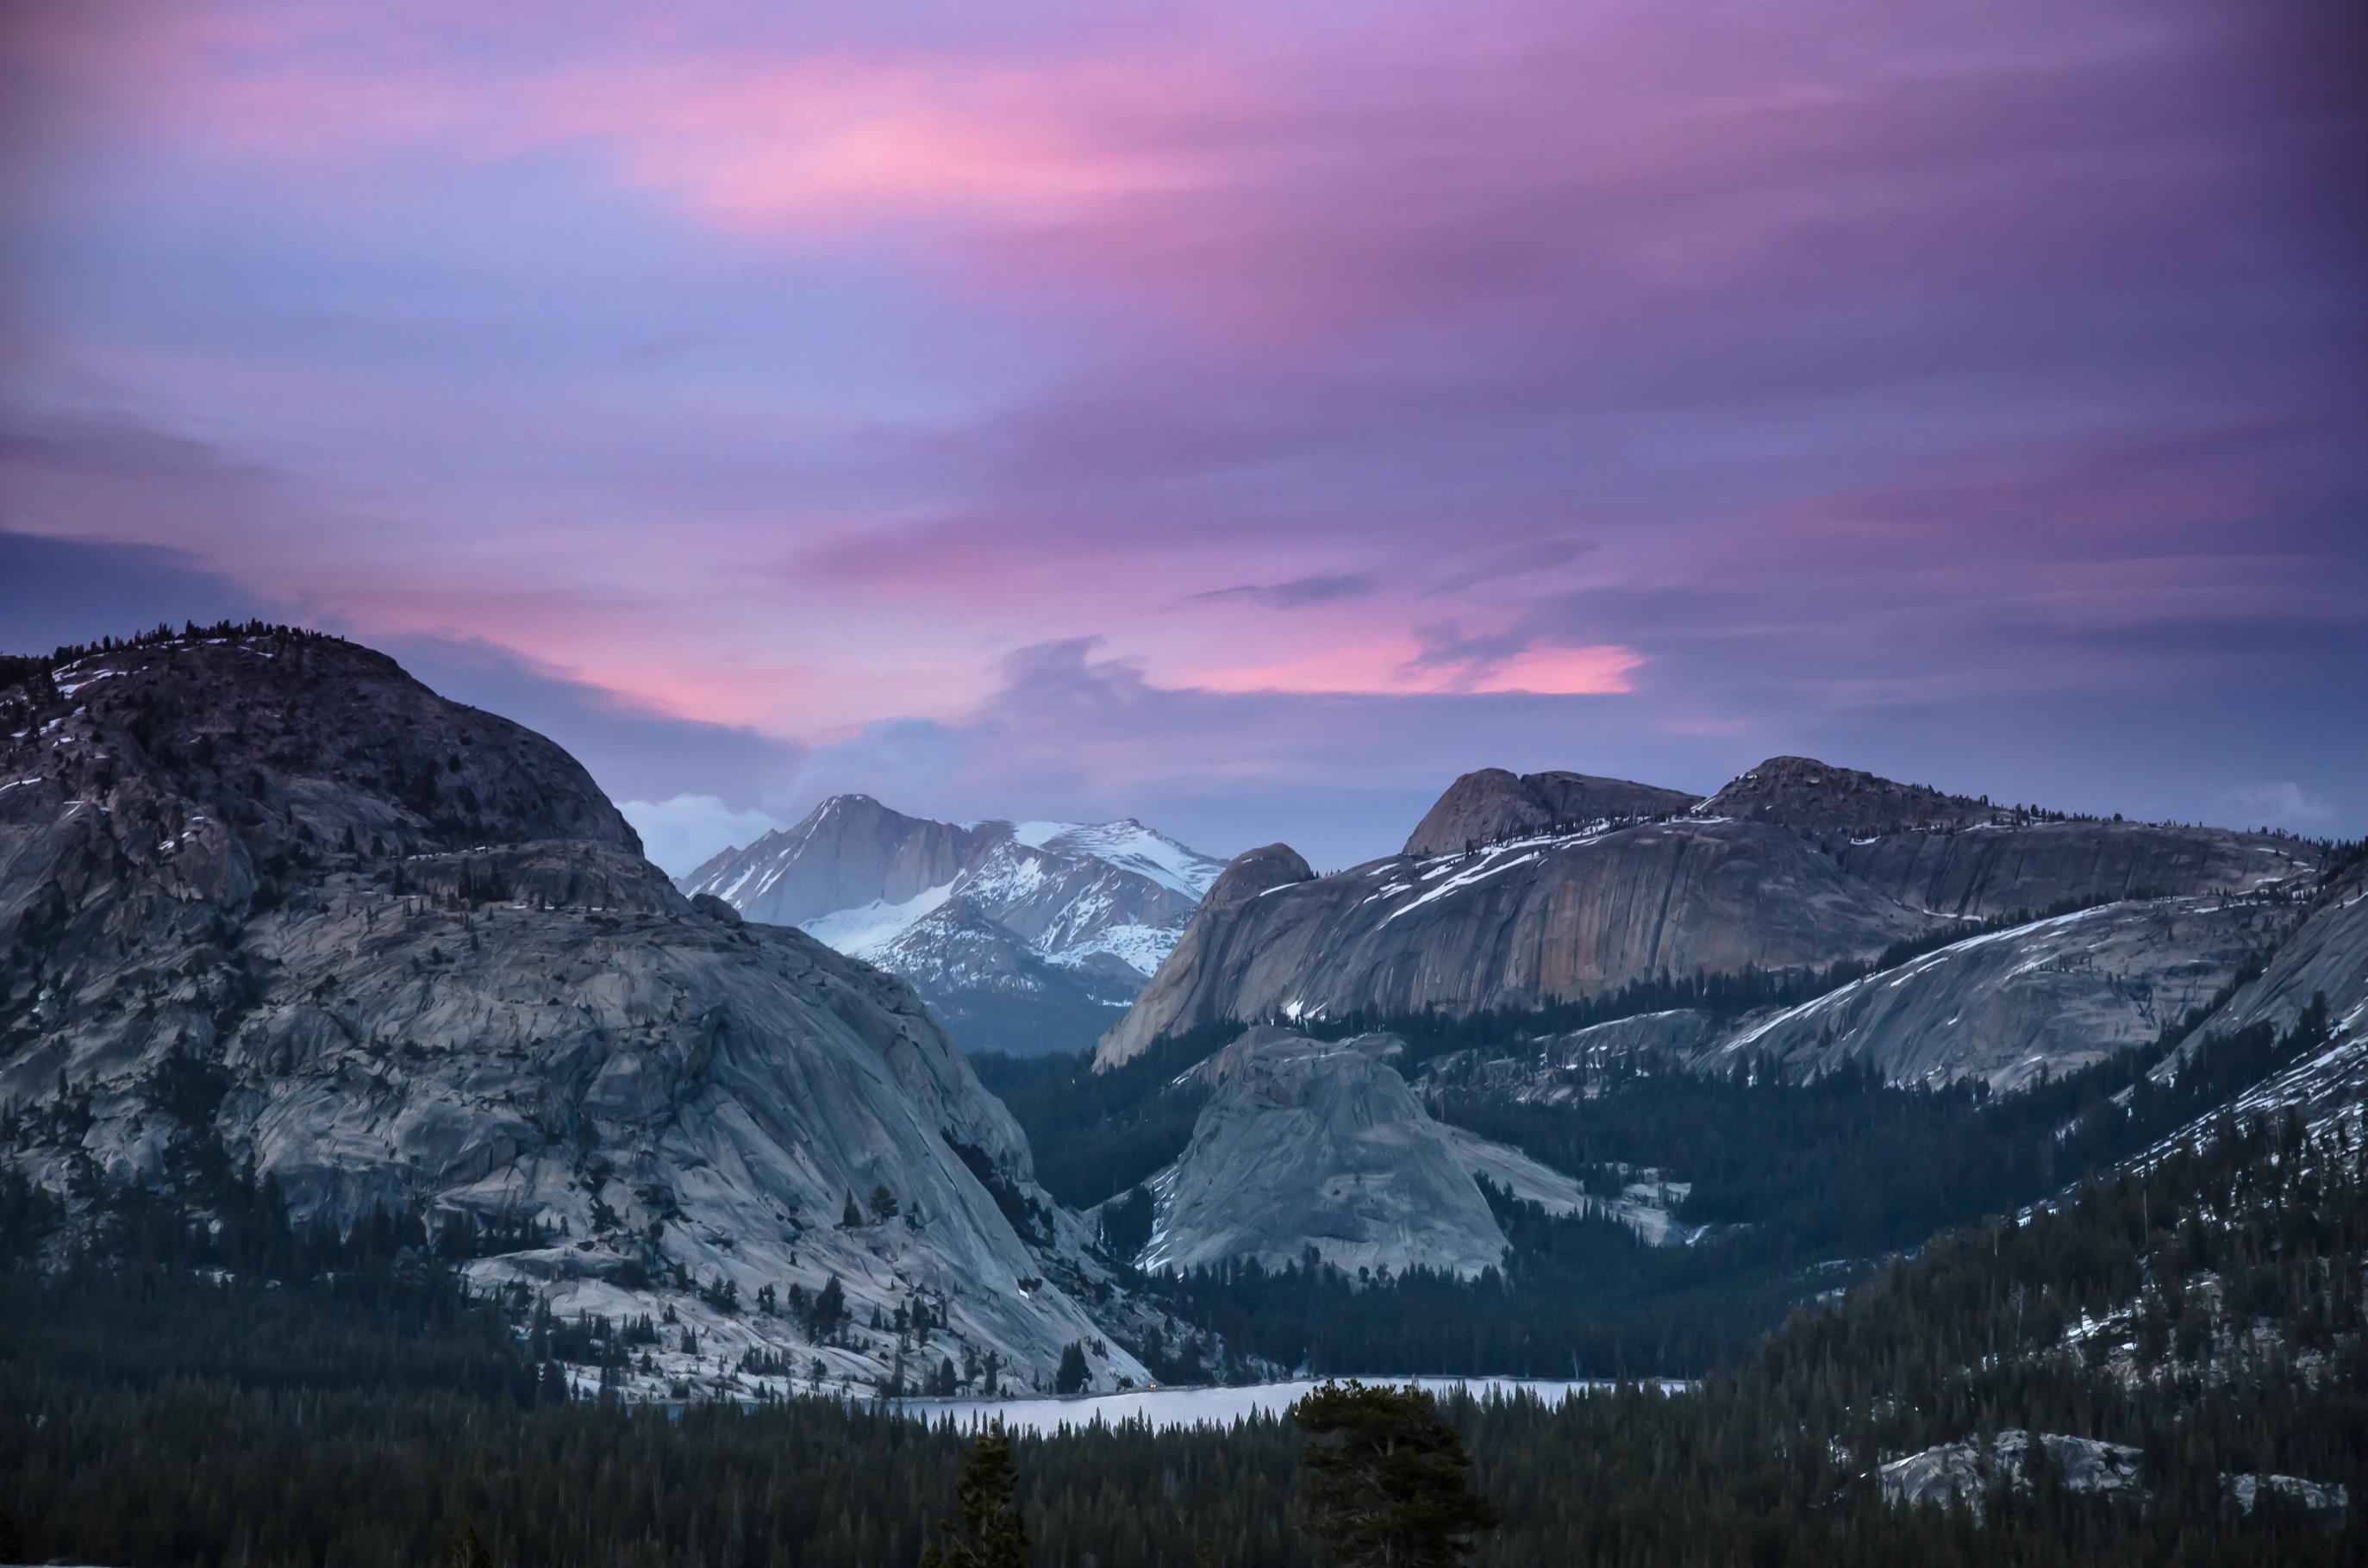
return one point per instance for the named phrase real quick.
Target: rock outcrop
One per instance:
(413, 958)
(1491, 804)
(1098, 904)
(1955, 1475)
(2054, 995)
(2327, 960)
(1795, 866)
(1525, 920)
(1817, 798)
(1307, 1145)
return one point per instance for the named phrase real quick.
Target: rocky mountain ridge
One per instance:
(1491, 804)
(1795, 867)
(1089, 909)
(263, 889)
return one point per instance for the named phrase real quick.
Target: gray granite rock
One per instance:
(1524, 921)
(434, 971)
(1319, 1146)
(1491, 803)
(1955, 1475)
(2053, 996)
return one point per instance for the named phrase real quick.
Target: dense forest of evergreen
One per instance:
(1794, 1186)
(155, 1414)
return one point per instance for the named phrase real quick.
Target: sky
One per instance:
(1243, 417)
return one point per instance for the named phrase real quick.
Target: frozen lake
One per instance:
(1165, 1408)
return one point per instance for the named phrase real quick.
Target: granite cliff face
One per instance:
(2053, 995)
(1089, 911)
(1984, 872)
(1795, 865)
(2326, 959)
(1523, 921)
(411, 957)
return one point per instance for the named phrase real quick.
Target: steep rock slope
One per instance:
(1793, 866)
(1983, 871)
(1523, 921)
(1098, 905)
(1485, 806)
(849, 853)
(270, 891)
(1306, 1144)
(2053, 995)
(2326, 958)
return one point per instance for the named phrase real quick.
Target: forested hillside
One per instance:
(1785, 1190)
(2206, 1310)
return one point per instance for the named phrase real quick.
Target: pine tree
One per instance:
(466, 1550)
(1073, 1373)
(992, 1534)
(1383, 1479)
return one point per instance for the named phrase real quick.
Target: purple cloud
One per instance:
(945, 405)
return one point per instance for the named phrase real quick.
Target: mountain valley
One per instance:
(318, 984)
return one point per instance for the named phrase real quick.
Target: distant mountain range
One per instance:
(1022, 936)
(275, 915)
(1543, 939)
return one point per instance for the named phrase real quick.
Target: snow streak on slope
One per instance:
(863, 931)
(1129, 845)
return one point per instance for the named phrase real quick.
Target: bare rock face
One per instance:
(1491, 804)
(419, 961)
(1982, 871)
(2053, 995)
(1089, 910)
(1522, 922)
(2326, 958)
(1793, 865)
(992, 989)
(847, 852)
(2327, 1500)
(1308, 1145)
(1954, 1475)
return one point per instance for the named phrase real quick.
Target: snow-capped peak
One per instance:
(1129, 845)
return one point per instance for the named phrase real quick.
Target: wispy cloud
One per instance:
(1931, 381)
(1296, 593)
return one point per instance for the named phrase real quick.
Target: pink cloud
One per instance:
(1276, 183)
(1396, 667)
